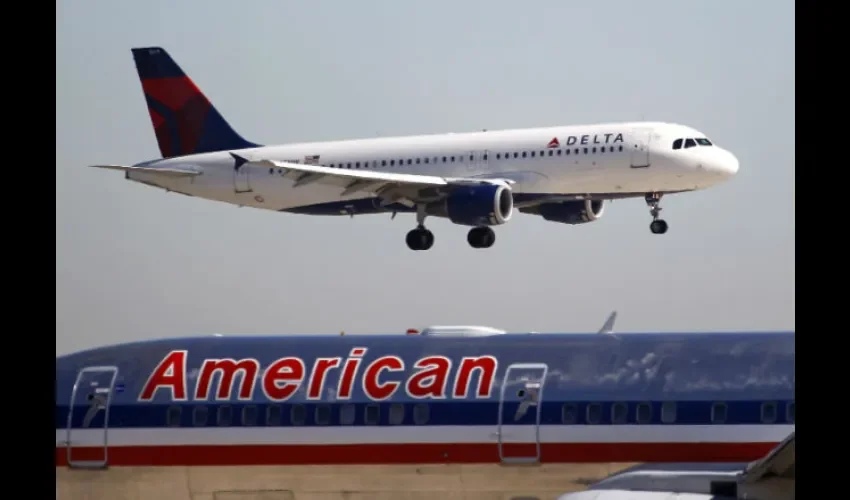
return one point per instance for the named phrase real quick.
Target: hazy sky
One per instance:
(134, 262)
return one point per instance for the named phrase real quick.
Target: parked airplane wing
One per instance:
(773, 476)
(186, 171)
(779, 463)
(388, 185)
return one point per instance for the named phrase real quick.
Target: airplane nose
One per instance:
(728, 164)
(721, 163)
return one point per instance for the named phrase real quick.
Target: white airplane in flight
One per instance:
(563, 174)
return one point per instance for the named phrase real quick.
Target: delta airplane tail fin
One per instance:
(184, 120)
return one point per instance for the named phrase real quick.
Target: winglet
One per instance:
(608, 327)
(781, 461)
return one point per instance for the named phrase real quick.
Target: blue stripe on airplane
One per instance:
(748, 412)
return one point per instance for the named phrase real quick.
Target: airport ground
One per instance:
(398, 482)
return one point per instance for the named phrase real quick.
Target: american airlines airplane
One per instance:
(266, 409)
(564, 174)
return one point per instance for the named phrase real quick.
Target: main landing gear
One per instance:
(420, 238)
(481, 237)
(423, 239)
(658, 226)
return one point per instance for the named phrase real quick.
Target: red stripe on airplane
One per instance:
(376, 454)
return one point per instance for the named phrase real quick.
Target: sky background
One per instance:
(134, 262)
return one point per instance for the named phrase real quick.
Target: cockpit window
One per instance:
(703, 141)
(690, 143)
(677, 144)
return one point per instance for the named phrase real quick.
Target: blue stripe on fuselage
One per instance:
(239, 414)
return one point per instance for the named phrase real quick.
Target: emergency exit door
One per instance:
(476, 161)
(88, 417)
(242, 179)
(640, 148)
(520, 403)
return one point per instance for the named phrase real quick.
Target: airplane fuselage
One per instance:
(540, 398)
(564, 174)
(601, 161)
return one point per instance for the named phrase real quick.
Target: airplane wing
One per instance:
(773, 476)
(390, 186)
(173, 171)
(779, 463)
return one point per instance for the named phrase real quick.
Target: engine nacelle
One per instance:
(572, 212)
(481, 205)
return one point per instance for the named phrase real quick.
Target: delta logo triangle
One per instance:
(553, 143)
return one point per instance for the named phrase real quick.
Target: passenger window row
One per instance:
(322, 415)
(347, 415)
(619, 413)
(691, 143)
(460, 158)
(643, 413)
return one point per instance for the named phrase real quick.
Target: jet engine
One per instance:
(481, 205)
(570, 212)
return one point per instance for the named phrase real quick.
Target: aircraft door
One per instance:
(520, 402)
(86, 439)
(477, 161)
(242, 179)
(640, 148)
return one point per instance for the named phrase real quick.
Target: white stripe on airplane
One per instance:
(412, 434)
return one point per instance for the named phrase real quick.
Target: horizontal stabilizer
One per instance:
(169, 171)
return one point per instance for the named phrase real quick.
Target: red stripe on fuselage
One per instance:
(376, 454)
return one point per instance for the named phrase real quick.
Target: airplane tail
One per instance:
(184, 120)
(608, 327)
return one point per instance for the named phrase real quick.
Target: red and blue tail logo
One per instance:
(184, 120)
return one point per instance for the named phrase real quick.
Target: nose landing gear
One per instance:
(658, 226)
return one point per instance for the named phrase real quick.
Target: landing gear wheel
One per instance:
(658, 226)
(420, 239)
(481, 237)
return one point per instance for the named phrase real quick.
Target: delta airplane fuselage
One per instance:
(380, 400)
(563, 174)
(594, 162)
